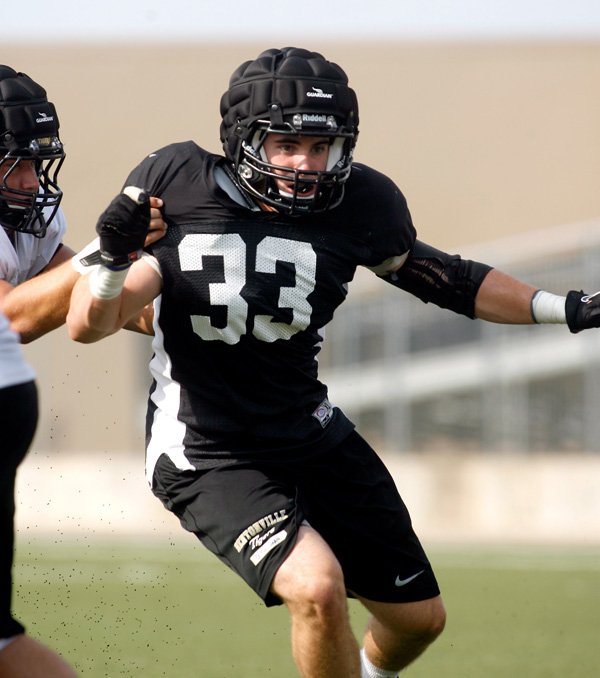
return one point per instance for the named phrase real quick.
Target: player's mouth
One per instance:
(303, 191)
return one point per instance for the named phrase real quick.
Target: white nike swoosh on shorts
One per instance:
(404, 582)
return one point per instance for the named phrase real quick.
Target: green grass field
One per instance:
(150, 609)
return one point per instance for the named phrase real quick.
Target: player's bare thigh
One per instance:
(311, 561)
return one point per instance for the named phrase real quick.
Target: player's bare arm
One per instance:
(40, 305)
(479, 291)
(123, 284)
(91, 318)
(503, 299)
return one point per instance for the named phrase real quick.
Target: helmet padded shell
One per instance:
(25, 112)
(292, 79)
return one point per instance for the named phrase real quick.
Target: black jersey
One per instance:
(246, 294)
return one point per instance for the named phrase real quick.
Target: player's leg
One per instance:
(352, 501)
(20, 655)
(25, 657)
(9, 626)
(398, 633)
(311, 584)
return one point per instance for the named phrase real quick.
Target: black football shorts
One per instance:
(18, 412)
(248, 514)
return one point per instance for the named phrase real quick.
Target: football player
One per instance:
(37, 274)
(243, 443)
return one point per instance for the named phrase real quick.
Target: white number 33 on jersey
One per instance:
(270, 250)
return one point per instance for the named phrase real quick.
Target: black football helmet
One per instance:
(28, 131)
(289, 91)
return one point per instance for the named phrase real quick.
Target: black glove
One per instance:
(582, 310)
(123, 227)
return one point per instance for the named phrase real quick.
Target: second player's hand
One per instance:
(158, 227)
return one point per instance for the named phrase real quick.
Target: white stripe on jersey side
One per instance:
(167, 432)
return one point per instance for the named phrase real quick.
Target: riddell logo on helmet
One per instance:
(313, 117)
(319, 93)
(44, 117)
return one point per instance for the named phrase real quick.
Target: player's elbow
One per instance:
(23, 329)
(78, 334)
(81, 338)
(80, 331)
(26, 338)
(82, 334)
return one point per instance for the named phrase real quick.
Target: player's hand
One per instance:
(123, 227)
(158, 226)
(582, 310)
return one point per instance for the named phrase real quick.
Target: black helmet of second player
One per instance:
(28, 133)
(290, 91)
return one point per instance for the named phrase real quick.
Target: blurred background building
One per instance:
(415, 378)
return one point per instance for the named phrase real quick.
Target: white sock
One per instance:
(367, 670)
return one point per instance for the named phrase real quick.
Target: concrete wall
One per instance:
(452, 498)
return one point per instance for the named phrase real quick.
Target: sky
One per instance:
(168, 20)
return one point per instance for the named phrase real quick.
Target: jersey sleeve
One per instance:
(156, 171)
(390, 231)
(50, 243)
(169, 174)
(147, 174)
(34, 254)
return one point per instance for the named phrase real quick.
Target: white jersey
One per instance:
(30, 255)
(13, 367)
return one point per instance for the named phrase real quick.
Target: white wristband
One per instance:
(548, 308)
(106, 284)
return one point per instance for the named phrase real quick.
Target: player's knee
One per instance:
(430, 621)
(419, 623)
(436, 621)
(321, 596)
